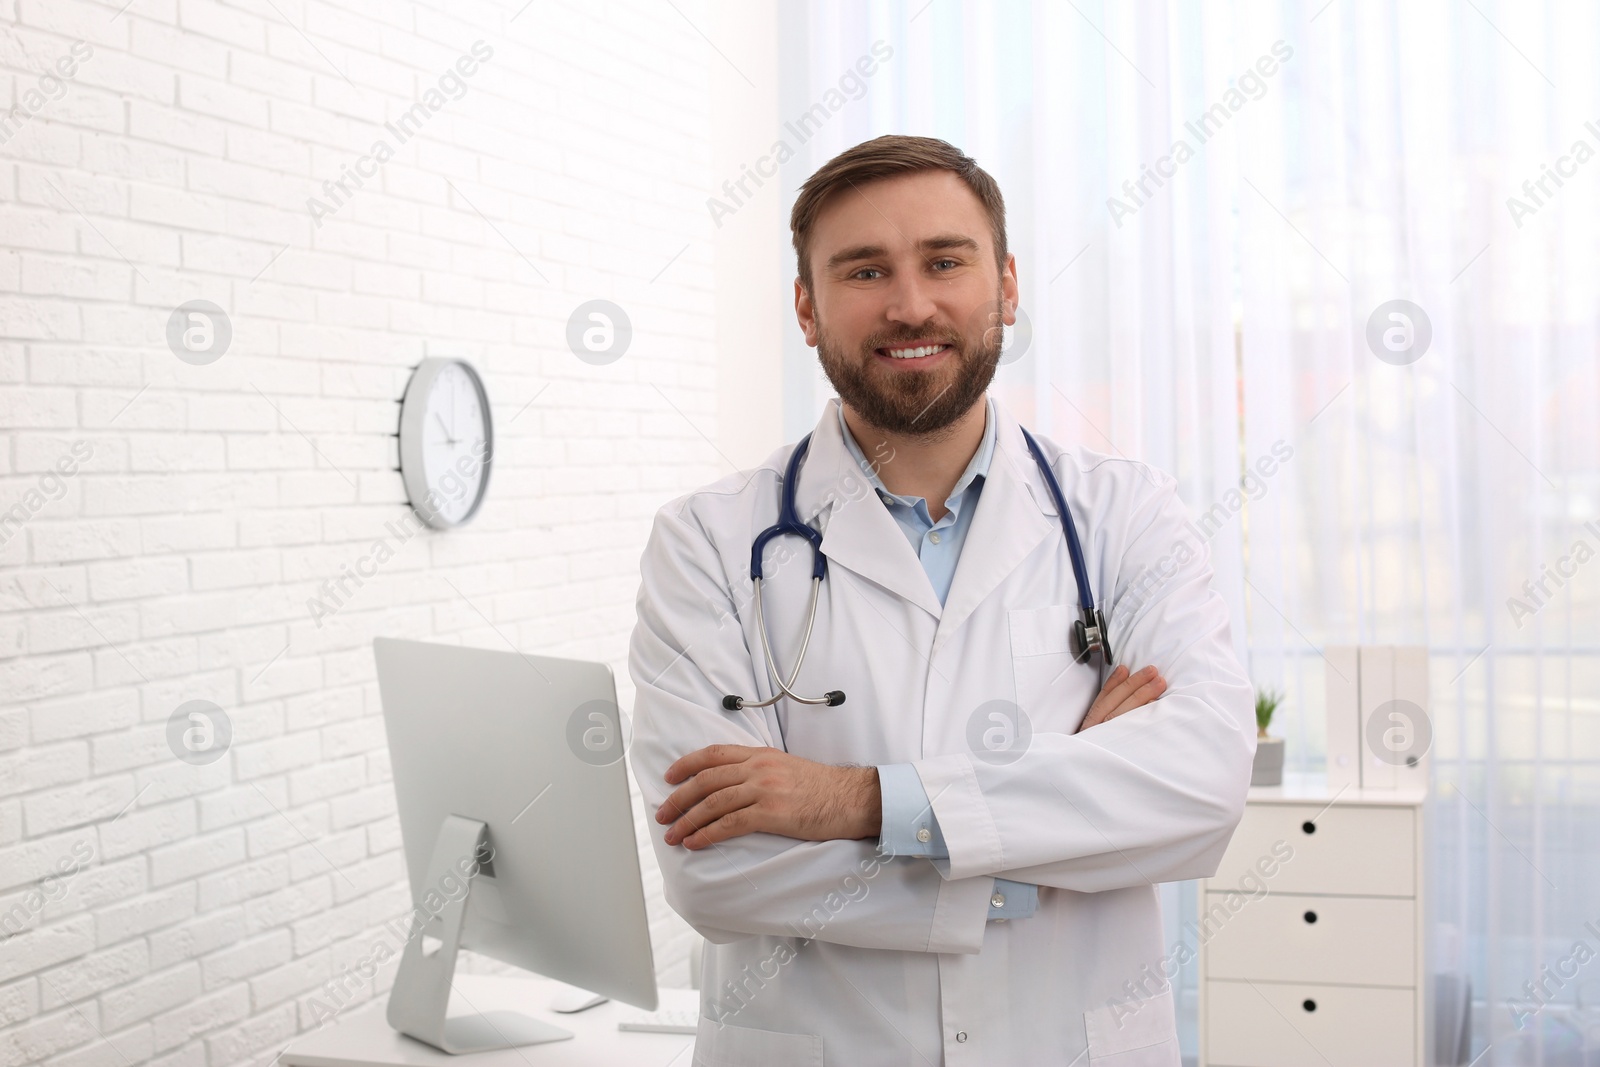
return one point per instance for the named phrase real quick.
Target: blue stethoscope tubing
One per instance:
(1089, 631)
(1090, 635)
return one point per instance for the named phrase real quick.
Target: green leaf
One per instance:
(1267, 701)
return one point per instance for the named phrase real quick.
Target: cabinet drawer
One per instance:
(1267, 1024)
(1359, 850)
(1278, 938)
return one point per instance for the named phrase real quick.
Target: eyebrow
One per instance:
(938, 243)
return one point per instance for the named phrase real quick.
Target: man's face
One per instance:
(906, 305)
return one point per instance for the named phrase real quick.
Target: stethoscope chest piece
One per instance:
(1090, 636)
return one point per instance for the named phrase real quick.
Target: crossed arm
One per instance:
(729, 790)
(750, 838)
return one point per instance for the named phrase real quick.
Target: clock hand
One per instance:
(447, 436)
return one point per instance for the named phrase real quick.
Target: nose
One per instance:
(910, 298)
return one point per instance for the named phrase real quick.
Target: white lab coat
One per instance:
(825, 952)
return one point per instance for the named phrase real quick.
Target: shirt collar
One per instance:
(977, 467)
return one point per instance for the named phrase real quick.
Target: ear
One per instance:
(1010, 294)
(805, 313)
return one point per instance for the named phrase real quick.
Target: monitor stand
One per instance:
(421, 993)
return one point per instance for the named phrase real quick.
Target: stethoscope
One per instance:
(1090, 636)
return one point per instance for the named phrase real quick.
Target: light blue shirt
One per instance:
(906, 808)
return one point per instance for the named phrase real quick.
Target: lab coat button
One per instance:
(998, 900)
(924, 836)
(961, 1035)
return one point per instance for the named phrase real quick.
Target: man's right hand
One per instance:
(1123, 692)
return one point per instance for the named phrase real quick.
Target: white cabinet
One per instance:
(1310, 932)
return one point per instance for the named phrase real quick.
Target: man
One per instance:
(957, 863)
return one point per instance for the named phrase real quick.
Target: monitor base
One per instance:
(496, 1029)
(421, 993)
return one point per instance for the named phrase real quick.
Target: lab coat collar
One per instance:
(1007, 527)
(1014, 514)
(858, 531)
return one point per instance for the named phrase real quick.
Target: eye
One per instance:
(947, 259)
(865, 270)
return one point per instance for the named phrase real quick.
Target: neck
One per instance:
(925, 465)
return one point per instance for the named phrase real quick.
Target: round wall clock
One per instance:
(446, 441)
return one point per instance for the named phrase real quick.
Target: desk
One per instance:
(362, 1037)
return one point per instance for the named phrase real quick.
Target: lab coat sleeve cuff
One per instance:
(971, 838)
(961, 916)
(909, 828)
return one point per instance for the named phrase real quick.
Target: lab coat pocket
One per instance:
(724, 1045)
(1134, 1033)
(1052, 689)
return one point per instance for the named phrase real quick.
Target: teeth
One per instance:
(914, 353)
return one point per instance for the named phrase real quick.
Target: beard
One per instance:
(914, 403)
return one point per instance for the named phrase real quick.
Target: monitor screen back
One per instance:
(532, 746)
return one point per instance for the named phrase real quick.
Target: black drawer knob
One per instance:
(1309, 1005)
(1309, 827)
(1311, 916)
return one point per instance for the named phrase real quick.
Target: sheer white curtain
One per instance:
(1355, 153)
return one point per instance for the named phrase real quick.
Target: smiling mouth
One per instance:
(912, 353)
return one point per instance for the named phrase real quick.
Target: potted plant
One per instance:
(1268, 766)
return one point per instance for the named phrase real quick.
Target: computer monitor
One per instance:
(518, 829)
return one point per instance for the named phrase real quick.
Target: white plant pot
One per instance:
(1268, 766)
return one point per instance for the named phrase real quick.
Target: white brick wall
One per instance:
(175, 563)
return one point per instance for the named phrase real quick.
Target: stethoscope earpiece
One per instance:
(788, 523)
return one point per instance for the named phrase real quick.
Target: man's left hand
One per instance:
(730, 790)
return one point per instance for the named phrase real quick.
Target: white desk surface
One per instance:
(362, 1037)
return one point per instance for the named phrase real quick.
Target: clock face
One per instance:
(446, 441)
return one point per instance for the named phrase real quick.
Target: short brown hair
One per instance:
(884, 157)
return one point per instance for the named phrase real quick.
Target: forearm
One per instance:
(843, 892)
(860, 804)
(840, 889)
(1151, 796)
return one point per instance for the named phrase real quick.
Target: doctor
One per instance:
(958, 863)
